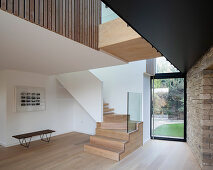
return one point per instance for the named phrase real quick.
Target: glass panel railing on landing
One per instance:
(134, 110)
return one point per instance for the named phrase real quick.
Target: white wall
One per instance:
(3, 109)
(87, 90)
(118, 80)
(146, 108)
(82, 121)
(63, 113)
(57, 116)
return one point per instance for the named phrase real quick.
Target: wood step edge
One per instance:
(108, 138)
(121, 131)
(108, 113)
(118, 151)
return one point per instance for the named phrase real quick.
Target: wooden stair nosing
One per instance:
(108, 109)
(108, 113)
(117, 134)
(112, 125)
(110, 153)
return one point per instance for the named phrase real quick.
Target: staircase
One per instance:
(112, 140)
(106, 109)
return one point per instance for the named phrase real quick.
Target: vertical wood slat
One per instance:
(16, 7)
(76, 19)
(3, 4)
(32, 17)
(45, 14)
(27, 9)
(36, 14)
(60, 16)
(67, 18)
(95, 29)
(21, 8)
(57, 16)
(70, 19)
(86, 22)
(41, 12)
(91, 26)
(64, 18)
(92, 23)
(10, 6)
(80, 20)
(54, 15)
(49, 14)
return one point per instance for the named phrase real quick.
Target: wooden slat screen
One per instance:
(75, 19)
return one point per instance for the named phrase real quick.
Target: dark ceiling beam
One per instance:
(182, 30)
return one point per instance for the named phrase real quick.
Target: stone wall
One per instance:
(200, 111)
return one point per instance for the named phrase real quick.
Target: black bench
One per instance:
(43, 135)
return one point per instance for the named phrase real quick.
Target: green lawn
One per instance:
(173, 130)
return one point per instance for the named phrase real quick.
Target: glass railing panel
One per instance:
(134, 110)
(107, 14)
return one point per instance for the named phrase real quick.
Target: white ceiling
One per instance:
(28, 47)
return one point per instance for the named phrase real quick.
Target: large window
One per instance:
(168, 106)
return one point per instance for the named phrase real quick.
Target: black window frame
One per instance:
(169, 76)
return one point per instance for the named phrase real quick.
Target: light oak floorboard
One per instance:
(65, 152)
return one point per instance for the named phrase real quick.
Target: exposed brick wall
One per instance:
(200, 110)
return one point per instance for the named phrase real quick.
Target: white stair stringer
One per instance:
(87, 90)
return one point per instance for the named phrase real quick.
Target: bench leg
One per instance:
(23, 142)
(45, 139)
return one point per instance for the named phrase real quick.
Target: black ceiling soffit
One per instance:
(182, 30)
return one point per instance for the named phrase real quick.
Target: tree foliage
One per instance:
(171, 102)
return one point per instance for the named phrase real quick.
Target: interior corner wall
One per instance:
(200, 110)
(3, 109)
(57, 116)
(118, 80)
(146, 107)
(82, 121)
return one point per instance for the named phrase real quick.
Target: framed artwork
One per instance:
(29, 99)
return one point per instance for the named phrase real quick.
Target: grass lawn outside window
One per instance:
(171, 130)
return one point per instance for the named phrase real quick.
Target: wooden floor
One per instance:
(66, 152)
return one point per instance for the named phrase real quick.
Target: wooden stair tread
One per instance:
(106, 148)
(116, 130)
(105, 104)
(108, 109)
(111, 139)
(112, 125)
(108, 113)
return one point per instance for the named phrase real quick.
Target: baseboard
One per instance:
(145, 141)
(3, 144)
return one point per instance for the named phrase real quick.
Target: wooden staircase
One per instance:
(106, 109)
(112, 140)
